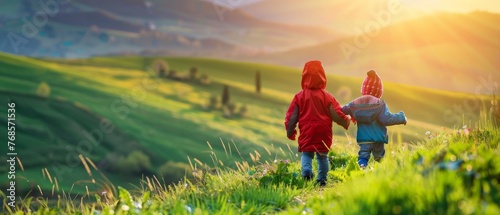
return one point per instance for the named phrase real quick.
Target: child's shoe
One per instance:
(308, 175)
(362, 166)
(321, 183)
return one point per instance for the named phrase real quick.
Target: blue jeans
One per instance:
(365, 150)
(323, 165)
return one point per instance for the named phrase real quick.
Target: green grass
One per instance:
(448, 173)
(169, 123)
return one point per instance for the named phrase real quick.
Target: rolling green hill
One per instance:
(166, 120)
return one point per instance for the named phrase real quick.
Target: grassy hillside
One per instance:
(448, 173)
(280, 82)
(169, 123)
(50, 135)
(166, 120)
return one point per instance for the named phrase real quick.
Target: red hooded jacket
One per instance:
(313, 109)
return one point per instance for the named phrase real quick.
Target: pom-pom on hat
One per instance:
(372, 85)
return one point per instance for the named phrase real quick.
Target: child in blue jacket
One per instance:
(372, 116)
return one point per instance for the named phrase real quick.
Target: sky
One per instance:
(424, 5)
(344, 15)
(232, 4)
(454, 5)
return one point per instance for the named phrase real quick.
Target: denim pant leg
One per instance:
(323, 166)
(378, 151)
(364, 154)
(306, 162)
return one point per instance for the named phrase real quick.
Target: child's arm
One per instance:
(291, 119)
(292, 123)
(387, 118)
(347, 109)
(337, 114)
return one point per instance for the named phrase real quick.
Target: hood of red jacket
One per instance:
(313, 76)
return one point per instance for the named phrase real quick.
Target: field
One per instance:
(449, 172)
(163, 124)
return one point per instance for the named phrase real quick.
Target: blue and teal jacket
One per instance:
(372, 116)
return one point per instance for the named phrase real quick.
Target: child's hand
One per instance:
(292, 135)
(353, 120)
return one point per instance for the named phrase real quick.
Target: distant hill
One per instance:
(100, 19)
(343, 16)
(110, 26)
(443, 51)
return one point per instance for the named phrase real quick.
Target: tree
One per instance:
(257, 82)
(172, 73)
(231, 107)
(43, 90)
(243, 111)
(193, 72)
(212, 103)
(204, 80)
(160, 67)
(225, 95)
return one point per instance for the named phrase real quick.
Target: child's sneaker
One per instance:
(308, 175)
(321, 183)
(362, 166)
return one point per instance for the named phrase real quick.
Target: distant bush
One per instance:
(134, 162)
(228, 110)
(160, 67)
(173, 171)
(213, 103)
(225, 112)
(174, 75)
(204, 80)
(231, 107)
(243, 111)
(43, 90)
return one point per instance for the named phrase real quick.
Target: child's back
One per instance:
(372, 116)
(313, 109)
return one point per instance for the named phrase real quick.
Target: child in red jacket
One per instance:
(313, 109)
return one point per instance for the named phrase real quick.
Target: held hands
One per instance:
(353, 120)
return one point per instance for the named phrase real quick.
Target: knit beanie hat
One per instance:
(372, 85)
